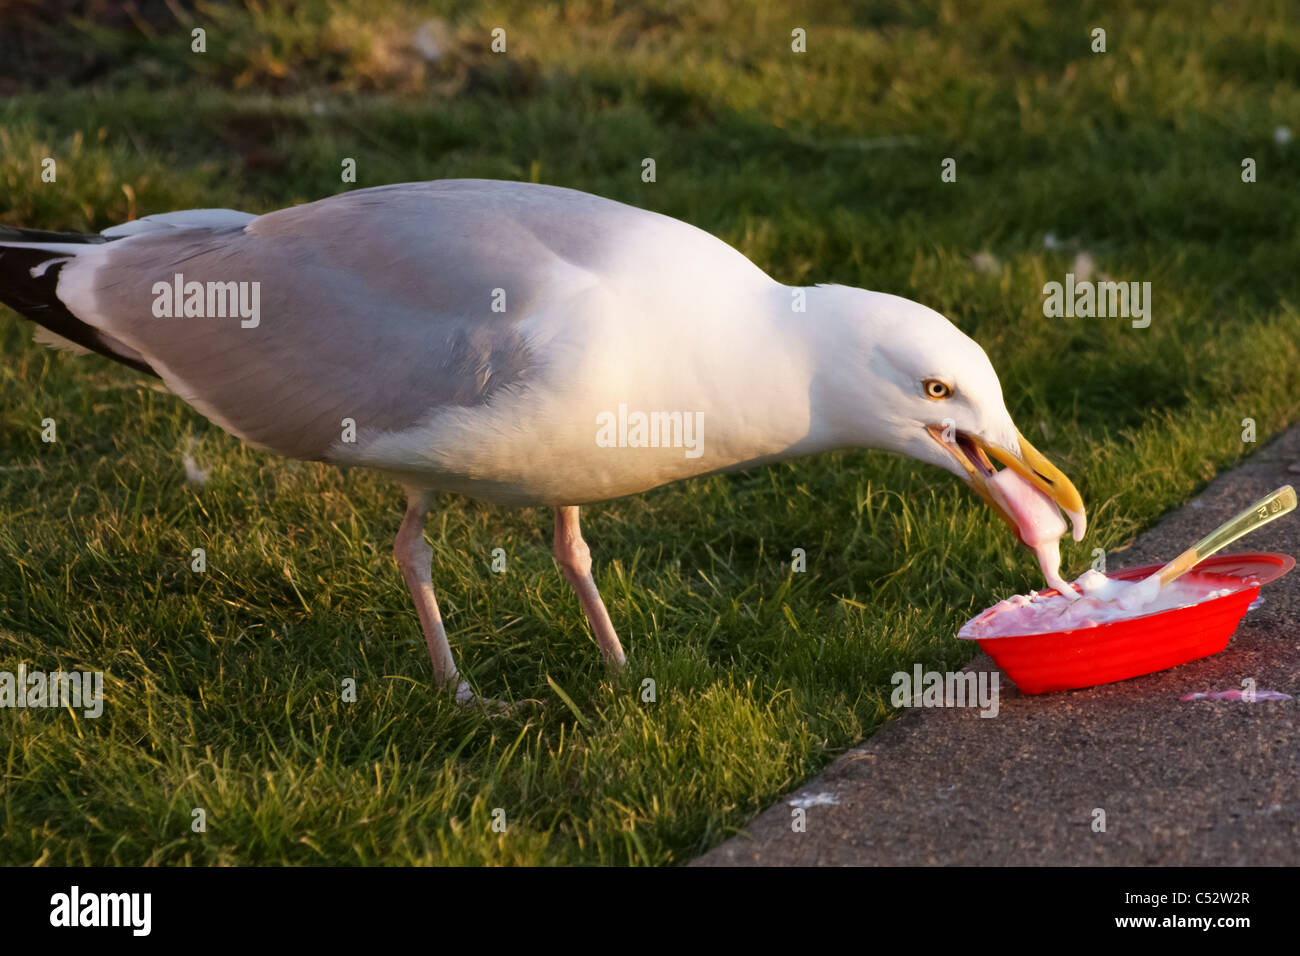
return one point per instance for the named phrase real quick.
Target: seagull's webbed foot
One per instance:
(466, 697)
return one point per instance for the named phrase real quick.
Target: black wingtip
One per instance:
(35, 296)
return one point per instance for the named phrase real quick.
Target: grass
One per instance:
(224, 688)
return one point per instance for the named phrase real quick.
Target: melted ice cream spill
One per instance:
(1236, 694)
(1038, 520)
(1103, 602)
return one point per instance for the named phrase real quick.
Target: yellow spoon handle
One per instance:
(1273, 505)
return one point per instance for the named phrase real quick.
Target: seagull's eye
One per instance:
(936, 389)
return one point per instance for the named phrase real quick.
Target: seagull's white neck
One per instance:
(836, 330)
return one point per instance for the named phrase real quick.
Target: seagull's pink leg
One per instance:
(574, 558)
(415, 558)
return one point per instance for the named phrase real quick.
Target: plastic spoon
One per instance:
(1273, 505)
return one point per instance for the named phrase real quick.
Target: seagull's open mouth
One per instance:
(972, 453)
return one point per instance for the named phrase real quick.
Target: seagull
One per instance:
(523, 344)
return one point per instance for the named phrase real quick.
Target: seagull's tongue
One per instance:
(1037, 517)
(1038, 520)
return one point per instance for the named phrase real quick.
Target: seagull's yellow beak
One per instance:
(972, 453)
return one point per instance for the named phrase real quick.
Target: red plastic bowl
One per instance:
(1085, 656)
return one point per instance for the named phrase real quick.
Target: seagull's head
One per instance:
(931, 393)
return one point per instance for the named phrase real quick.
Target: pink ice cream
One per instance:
(1038, 521)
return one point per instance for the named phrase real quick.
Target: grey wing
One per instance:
(378, 306)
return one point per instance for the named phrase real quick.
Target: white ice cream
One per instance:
(1103, 602)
